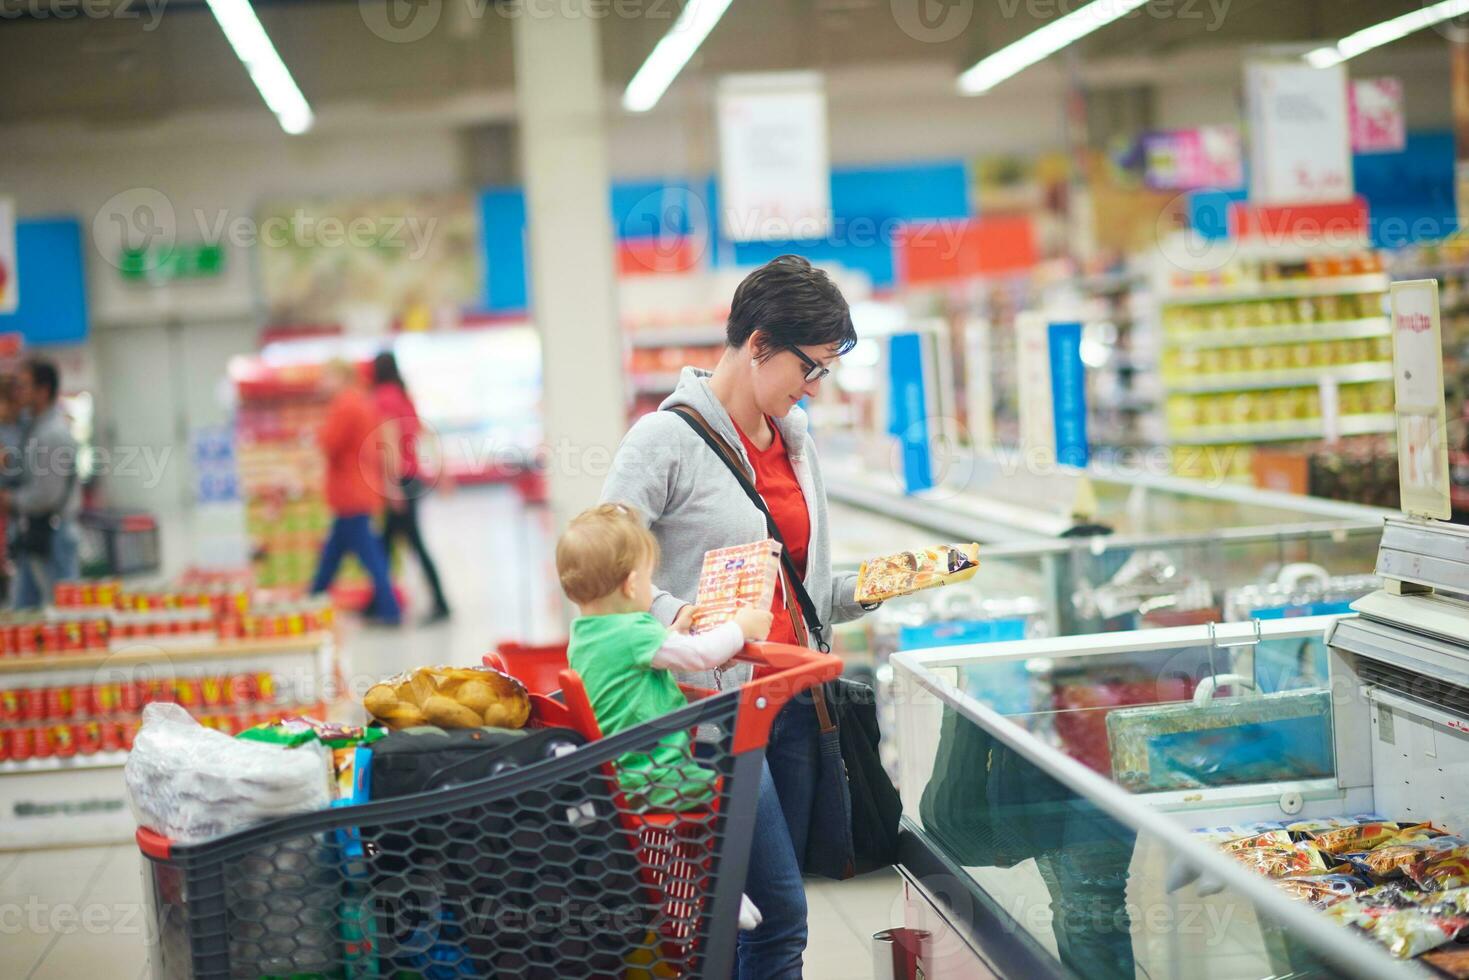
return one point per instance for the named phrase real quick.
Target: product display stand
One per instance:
(1277, 350)
(70, 716)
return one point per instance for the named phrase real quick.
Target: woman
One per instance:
(788, 324)
(391, 397)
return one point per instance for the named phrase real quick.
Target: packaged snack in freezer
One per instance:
(1220, 835)
(1368, 906)
(1393, 860)
(1312, 829)
(1269, 838)
(1444, 872)
(1410, 932)
(1321, 891)
(1281, 862)
(1360, 837)
(911, 571)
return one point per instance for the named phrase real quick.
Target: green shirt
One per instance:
(614, 656)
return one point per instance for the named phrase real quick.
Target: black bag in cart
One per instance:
(567, 855)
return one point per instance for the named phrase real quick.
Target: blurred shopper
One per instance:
(403, 427)
(44, 501)
(356, 486)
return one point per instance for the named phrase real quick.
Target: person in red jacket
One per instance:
(390, 395)
(356, 486)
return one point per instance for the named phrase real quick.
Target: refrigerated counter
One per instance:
(998, 501)
(1071, 828)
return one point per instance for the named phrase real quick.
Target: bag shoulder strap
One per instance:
(722, 449)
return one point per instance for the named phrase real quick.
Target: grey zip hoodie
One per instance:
(693, 503)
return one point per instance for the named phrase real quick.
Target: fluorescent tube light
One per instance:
(1041, 44)
(672, 52)
(269, 73)
(1385, 33)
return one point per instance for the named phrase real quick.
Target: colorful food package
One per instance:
(1367, 907)
(1361, 837)
(1280, 862)
(449, 697)
(1313, 828)
(911, 571)
(1436, 919)
(1324, 890)
(1443, 872)
(1221, 835)
(1394, 860)
(742, 575)
(1270, 838)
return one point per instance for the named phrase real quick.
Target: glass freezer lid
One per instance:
(1070, 805)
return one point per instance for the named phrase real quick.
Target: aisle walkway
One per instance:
(78, 912)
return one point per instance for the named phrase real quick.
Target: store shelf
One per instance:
(97, 760)
(1304, 333)
(655, 384)
(1304, 378)
(1284, 289)
(704, 336)
(145, 653)
(1351, 425)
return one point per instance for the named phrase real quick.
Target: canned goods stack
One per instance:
(33, 634)
(283, 619)
(84, 719)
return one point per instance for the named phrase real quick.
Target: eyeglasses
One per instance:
(816, 372)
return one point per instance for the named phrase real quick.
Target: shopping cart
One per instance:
(545, 870)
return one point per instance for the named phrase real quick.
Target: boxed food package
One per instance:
(1284, 735)
(742, 575)
(911, 571)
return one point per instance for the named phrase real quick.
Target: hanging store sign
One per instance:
(908, 411)
(9, 271)
(1300, 146)
(774, 166)
(1068, 393)
(1378, 123)
(1423, 447)
(1190, 159)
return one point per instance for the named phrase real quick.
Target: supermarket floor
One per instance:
(78, 912)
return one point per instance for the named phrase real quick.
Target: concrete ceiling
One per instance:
(133, 61)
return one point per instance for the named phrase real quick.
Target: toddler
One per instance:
(626, 658)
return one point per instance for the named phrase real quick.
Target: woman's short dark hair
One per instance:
(793, 304)
(385, 370)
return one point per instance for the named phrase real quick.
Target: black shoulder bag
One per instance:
(854, 793)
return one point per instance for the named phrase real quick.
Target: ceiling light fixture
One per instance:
(1385, 33)
(269, 73)
(1041, 44)
(672, 52)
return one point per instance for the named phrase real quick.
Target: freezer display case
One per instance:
(1078, 827)
(1070, 586)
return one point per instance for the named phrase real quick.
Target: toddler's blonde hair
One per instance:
(599, 548)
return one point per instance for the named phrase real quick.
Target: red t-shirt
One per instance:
(349, 438)
(394, 405)
(775, 480)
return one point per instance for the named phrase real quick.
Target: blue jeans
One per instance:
(36, 577)
(354, 533)
(773, 951)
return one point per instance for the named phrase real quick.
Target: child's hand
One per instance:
(753, 623)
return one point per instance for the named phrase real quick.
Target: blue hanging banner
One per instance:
(908, 409)
(1068, 394)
